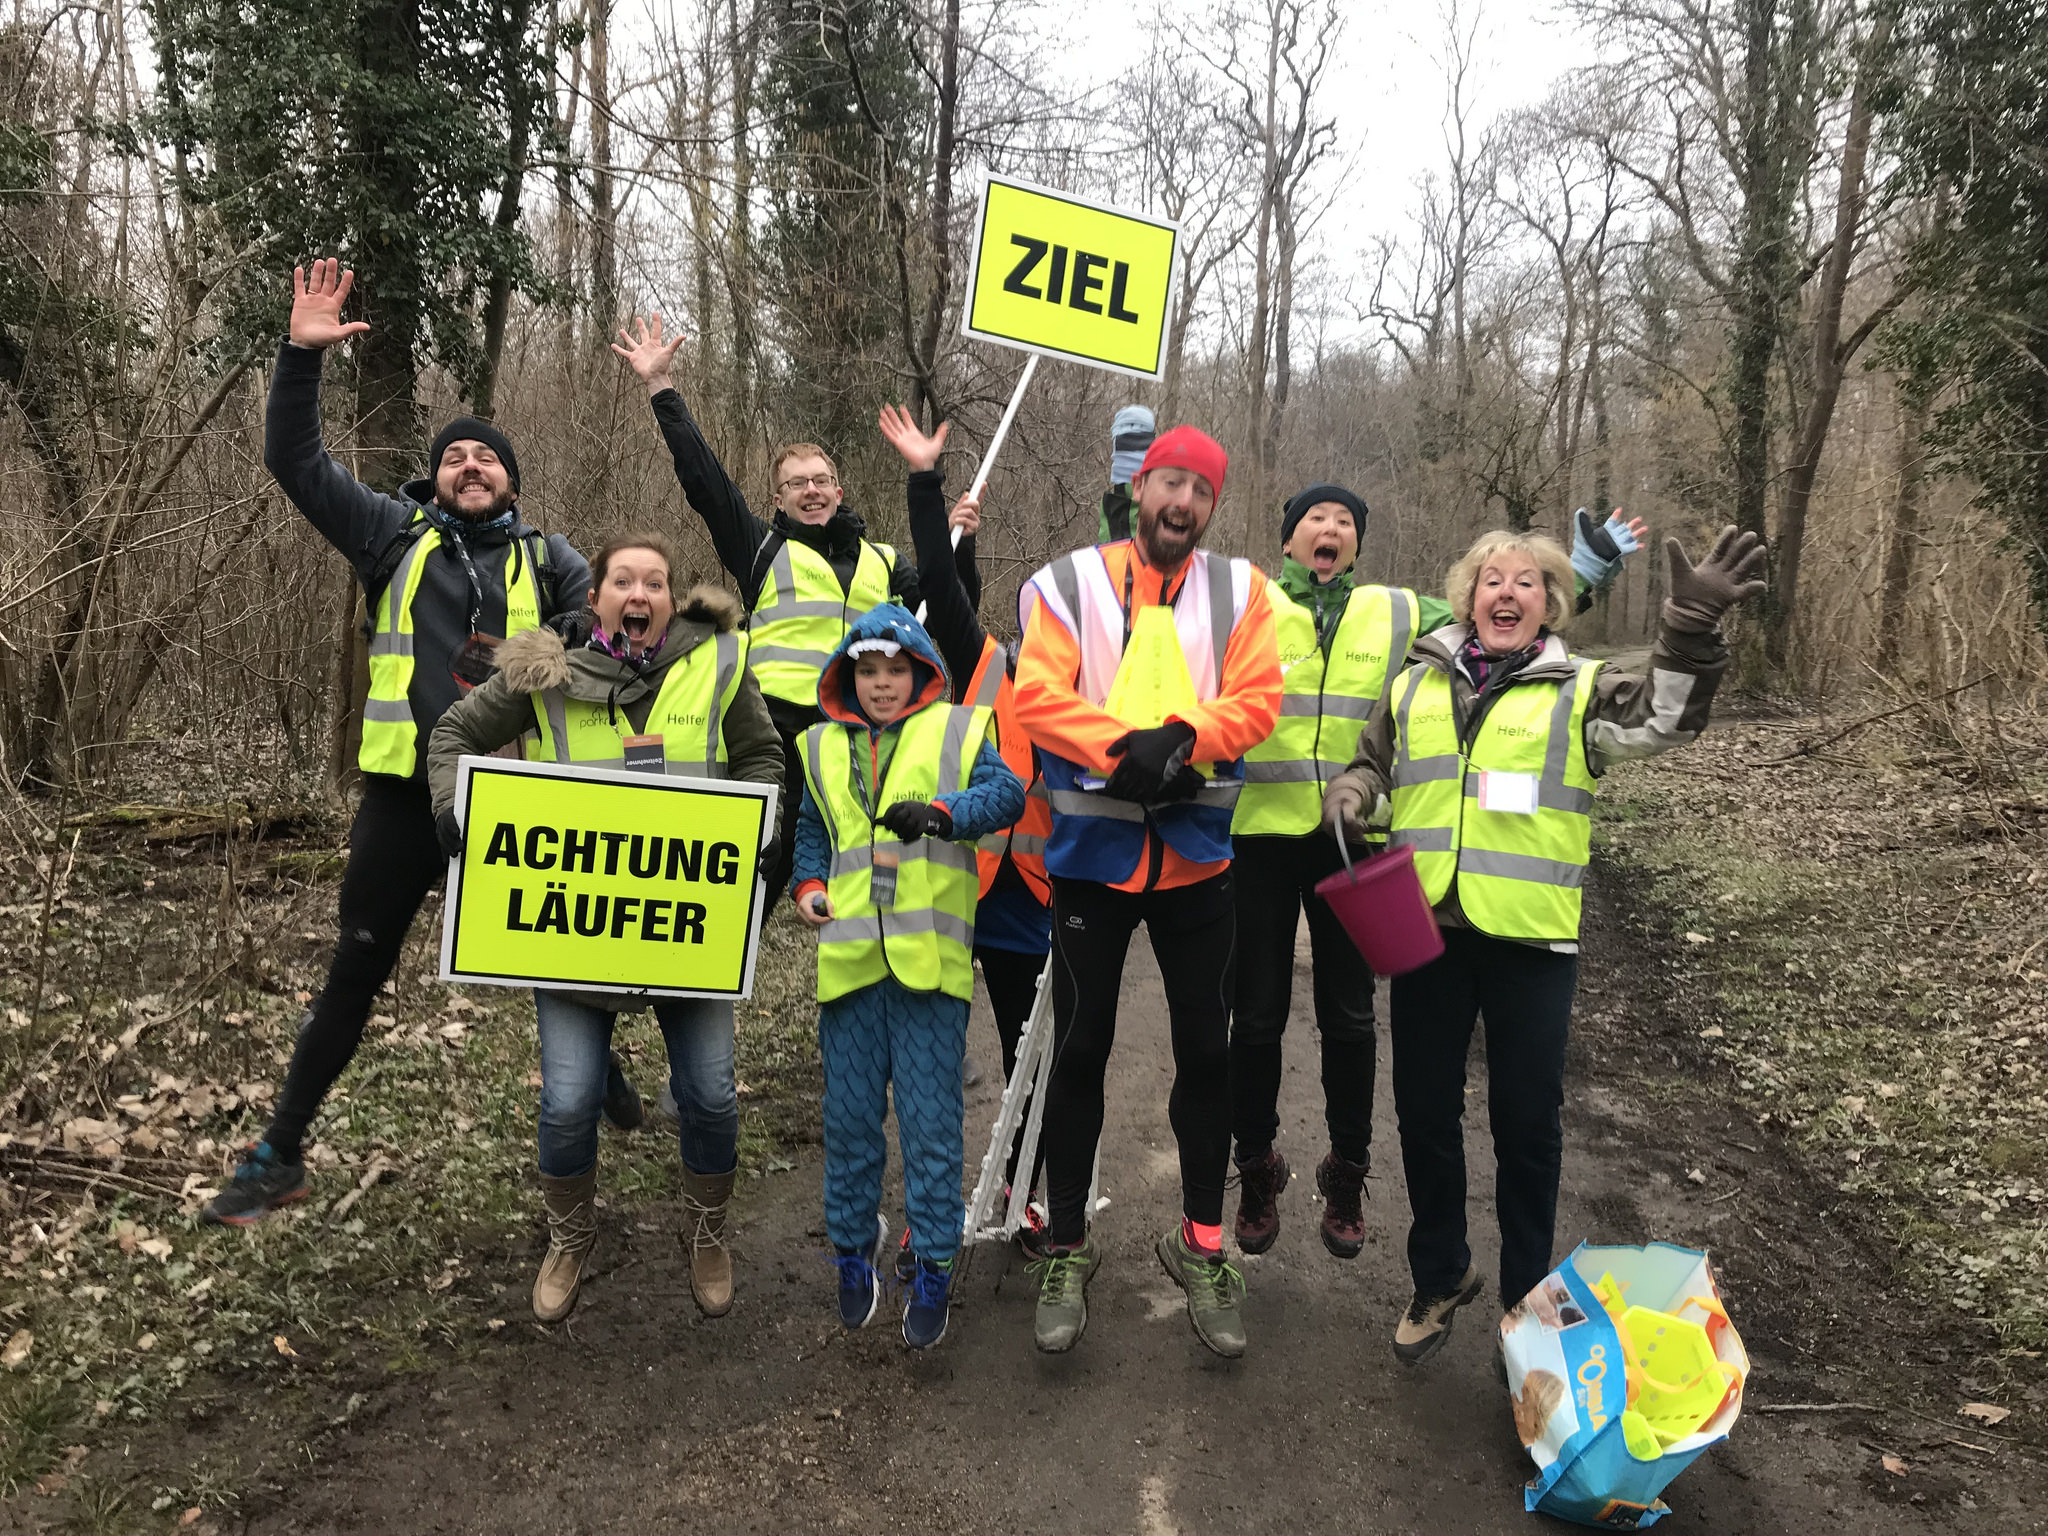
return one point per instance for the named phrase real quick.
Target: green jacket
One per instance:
(498, 712)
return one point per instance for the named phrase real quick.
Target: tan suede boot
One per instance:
(572, 1233)
(707, 1197)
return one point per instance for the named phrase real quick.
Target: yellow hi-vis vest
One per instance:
(1324, 704)
(390, 734)
(688, 714)
(924, 938)
(1518, 876)
(801, 613)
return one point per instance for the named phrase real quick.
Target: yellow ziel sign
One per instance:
(605, 880)
(1071, 278)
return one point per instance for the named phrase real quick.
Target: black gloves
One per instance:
(764, 861)
(573, 625)
(910, 820)
(1155, 765)
(449, 831)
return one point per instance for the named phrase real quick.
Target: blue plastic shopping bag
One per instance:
(1604, 1318)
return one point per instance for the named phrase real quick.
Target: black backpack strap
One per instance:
(545, 574)
(763, 558)
(386, 564)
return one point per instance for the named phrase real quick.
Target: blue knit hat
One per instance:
(1130, 434)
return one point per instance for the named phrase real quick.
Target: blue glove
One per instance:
(1599, 549)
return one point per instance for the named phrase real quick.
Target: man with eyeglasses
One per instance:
(805, 574)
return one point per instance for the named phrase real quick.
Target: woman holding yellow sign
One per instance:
(667, 688)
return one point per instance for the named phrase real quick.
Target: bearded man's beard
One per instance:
(1163, 544)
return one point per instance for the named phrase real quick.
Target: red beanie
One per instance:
(1188, 448)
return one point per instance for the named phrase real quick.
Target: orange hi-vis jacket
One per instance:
(1024, 839)
(1065, 721)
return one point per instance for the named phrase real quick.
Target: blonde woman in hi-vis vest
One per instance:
(1484, 757)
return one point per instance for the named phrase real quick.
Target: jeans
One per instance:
(1525, 996)
(575, 1054)
(1193, 929)
(1276, 878)
(394, 860)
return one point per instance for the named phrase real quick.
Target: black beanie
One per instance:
(1299, 503)
(474, 429)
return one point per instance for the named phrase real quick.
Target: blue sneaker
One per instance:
(925, 1309)
(906, 1261)
(263, 1181)
(860, 1287)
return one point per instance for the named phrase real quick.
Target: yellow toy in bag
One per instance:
(1676, 1382)
(1152, 680)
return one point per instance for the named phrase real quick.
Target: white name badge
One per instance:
(1514, 794)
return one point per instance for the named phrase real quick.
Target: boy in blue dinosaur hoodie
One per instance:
(898, 786)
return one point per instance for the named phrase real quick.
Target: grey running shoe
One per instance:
(1215, 1292)
(263, 1181)
(1062, 1277)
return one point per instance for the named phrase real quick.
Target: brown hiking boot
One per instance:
(707, 1198)
(1343, 1187)
(572, 1233)
(1426, 1326)
(1259, 1183)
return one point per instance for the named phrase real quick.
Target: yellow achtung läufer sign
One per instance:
(600, 879)
(1071, 278)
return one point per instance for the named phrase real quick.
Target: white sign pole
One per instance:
(988, 459)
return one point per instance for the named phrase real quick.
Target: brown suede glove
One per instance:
(1701, 594)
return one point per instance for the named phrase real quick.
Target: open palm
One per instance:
(646, 353)
(908, 439)
(316, 305)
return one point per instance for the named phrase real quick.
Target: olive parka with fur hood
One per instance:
(501, 709)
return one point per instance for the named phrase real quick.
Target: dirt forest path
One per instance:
(638, 1416)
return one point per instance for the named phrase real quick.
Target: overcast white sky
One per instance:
(1387, 94)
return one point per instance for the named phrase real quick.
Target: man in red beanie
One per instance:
(1140, 836)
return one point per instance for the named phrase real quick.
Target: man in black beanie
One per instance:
(448, 569)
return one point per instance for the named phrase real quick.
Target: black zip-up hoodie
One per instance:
(737, 534)
(362, 523)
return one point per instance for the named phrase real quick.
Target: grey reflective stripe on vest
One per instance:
(1549, 796)
(932, 850)
(1557, 752)
(1422, 839)
(1299, 770)
(1342, 706)
(815, 660)
(1079, 802)
(1521, 866)
(869, 930)
(957, 725)
(1426, 770)
(558, 722)
(389, 641)
(728, 664)
(1222, 611)
(1068, 580)
(1404, 632)
(1025, 844)
(813, 738)
(387, 711)
(991, 683)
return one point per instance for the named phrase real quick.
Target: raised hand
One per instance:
(1629, 533)
(908, 439)
(647, 354)
(966, 515)
(316, 305)
(1701, 594)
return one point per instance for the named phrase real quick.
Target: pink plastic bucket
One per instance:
(1381, 905)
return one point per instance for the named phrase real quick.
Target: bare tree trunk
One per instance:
(1902, 542)
(742, 292)
(517, 19)
(1830, 357)
(925, 396)
(604, 230)
(387, 374)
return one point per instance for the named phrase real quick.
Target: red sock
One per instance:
(1205, 1240)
